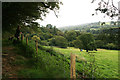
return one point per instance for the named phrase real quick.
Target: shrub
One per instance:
(45, 43)
(99, 43)
(110, 46)
(59, 41)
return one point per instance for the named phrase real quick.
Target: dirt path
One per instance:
(9, 70)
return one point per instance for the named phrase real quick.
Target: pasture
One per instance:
(106, 60)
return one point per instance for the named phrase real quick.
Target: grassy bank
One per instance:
(54, 62)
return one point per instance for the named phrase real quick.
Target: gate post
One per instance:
(26, 40)
(72, 66)
(22, 37)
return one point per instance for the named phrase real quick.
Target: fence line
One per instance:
(73, 57)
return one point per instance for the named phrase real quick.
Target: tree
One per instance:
(59, 33)
(71, 35)
(78, 44)
(27, 12)
(47, 35)
(59, 41)
(107, 7)
(17, 34)
(49, 26)
(87, 41)
(99, 43)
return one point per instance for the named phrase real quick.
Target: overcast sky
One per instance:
(74, 13)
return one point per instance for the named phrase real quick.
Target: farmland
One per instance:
(107, 60)
(59, 49)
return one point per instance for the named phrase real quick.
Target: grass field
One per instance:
(58, 65)
(107, 60)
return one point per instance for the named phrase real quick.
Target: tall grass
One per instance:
(46, 64)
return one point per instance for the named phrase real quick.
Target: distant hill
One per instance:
(90, 26)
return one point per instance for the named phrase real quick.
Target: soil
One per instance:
(9, 70)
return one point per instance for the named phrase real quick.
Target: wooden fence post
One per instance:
(72, 66)
(36, 45)
(22, 37)
(27, 40)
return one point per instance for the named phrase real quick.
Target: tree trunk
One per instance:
(86, 50)
(22, 37)
(27, 40)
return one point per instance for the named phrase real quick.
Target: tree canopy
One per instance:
(107, 7)
(18, 13)
(87, 41)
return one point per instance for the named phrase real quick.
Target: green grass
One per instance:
(46, 64)
(50, 63)
(106, 60)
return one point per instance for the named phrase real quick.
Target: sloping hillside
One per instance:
(90, 26)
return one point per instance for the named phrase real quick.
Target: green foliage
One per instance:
(20, 13)
(52, 42)
(35, 38)
(45, 43)
(32, 73)
(47, 64)
(47, 36)
(20, 60)
(25, 50)
(78, 44)
(59, 41)
(94, 28)
(103, 62)
(71, 35)
(99, 43)
(87, 41)
(59, 33)
(110, 46)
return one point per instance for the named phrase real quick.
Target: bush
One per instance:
(71, 44)
(111, 46)
(45, 43)
(99, 43)
(59, 41)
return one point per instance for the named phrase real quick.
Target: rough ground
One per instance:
(9, 70)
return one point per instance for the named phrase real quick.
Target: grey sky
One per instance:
(74, 13)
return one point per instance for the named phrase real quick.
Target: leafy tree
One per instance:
(47, 36)
(78, 33)
(17, 34)
(99, 43)
(78, 44)
(44, 42)
(59, 33)
(87, 41)
(71, 35)
(27, 12)
(59, 41)
(51, 41)
(111, 46)
(55, 30)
